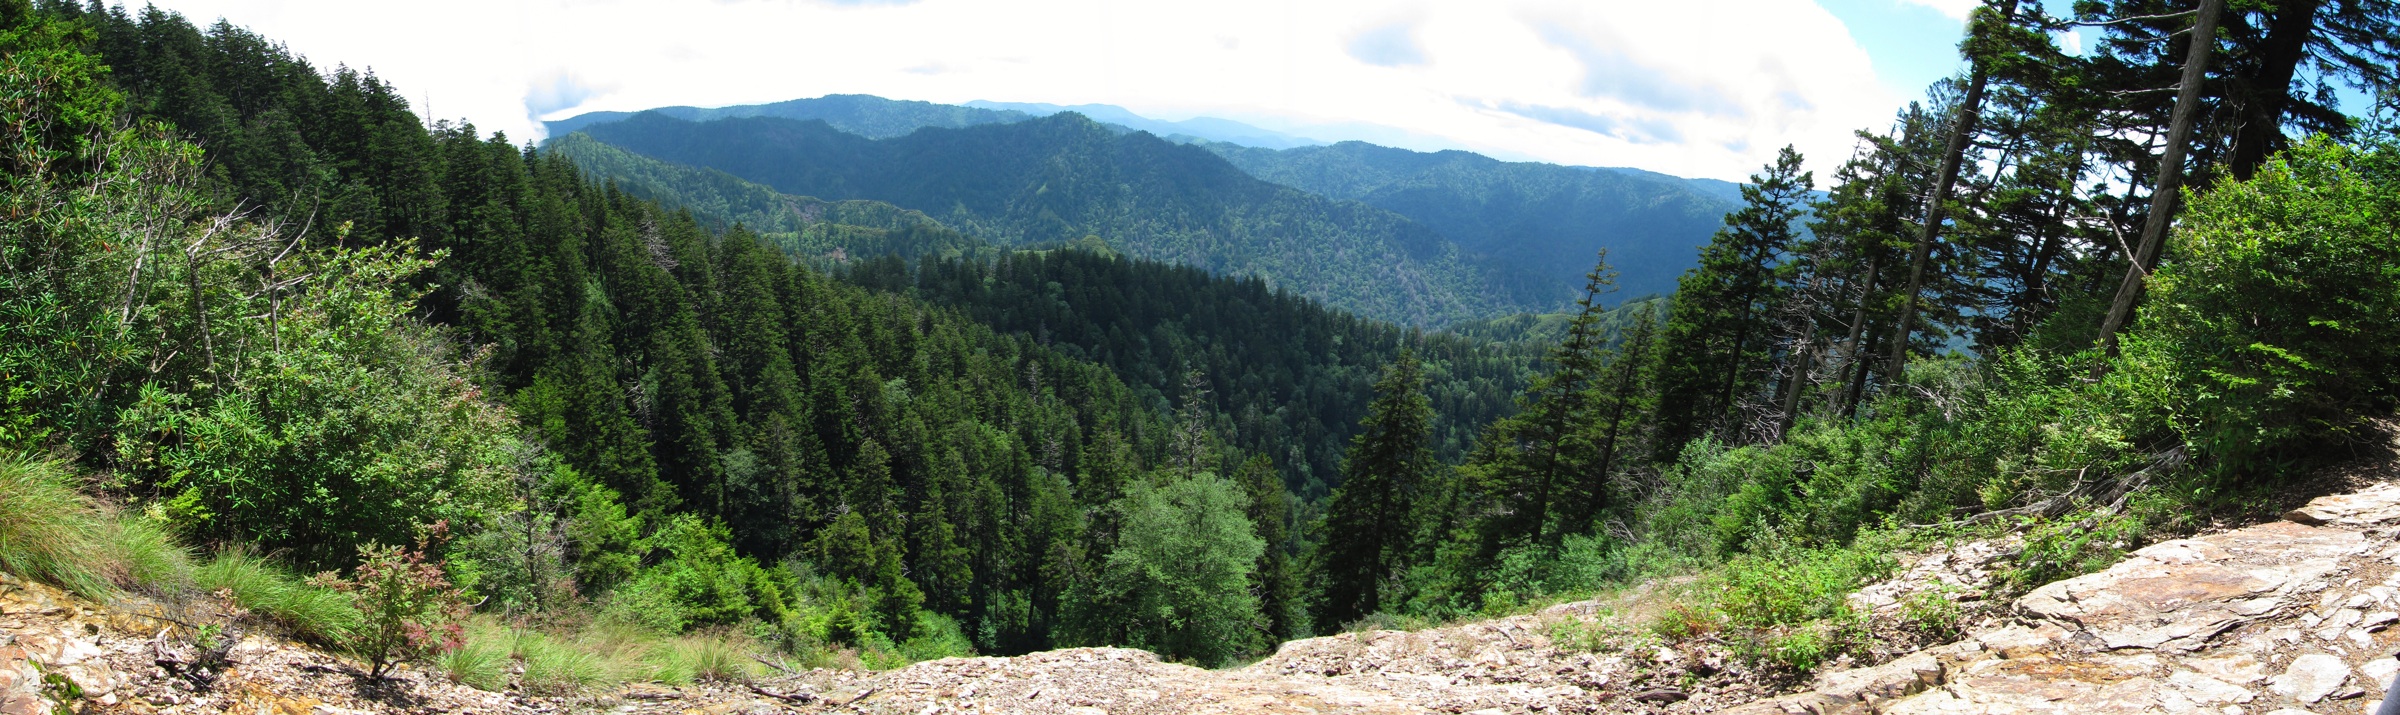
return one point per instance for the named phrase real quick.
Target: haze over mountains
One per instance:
(1419, 238)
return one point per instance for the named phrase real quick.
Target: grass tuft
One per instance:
(311, 613)
(554, 667)
(49, 532)
(480, 663)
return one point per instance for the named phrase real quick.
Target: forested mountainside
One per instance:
(825, 233)
(1286, 376)
(1293, 373)
(863, 115)
(475, 335)
(1063, 177)
(260, 308)
(1540, 221)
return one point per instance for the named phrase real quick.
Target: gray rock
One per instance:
(2311, 677)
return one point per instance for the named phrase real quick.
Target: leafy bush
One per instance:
(2073, 545)
(363, 423)
(1932, 613)
(700, 582)
(1768, 591)
(2276, 323)
(410, 611)
(1178, 581)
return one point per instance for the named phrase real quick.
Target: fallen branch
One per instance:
(2114, 492)
(762, 660)
(801, 698)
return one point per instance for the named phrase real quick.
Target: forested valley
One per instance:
(262, 320)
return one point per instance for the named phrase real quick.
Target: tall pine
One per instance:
(1368, 532)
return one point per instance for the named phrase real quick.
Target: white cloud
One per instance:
(1704, 88)
(1956, 9)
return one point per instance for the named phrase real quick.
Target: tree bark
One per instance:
(2170, 173)
(2271, 91)
(1962, 128)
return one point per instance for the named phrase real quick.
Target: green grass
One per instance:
(49, 532)
(53, 533)
(311, 613)
(556, 667)
(482, 662)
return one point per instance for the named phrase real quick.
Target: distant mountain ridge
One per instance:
(1063, 177)
(865, 115)
(1196, 128)
(1524, 232)
(1522, 218)
(879, 118)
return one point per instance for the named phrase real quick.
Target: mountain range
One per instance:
(1413, 237)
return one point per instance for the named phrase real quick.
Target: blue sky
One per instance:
(1706, 88)
(1911, 44)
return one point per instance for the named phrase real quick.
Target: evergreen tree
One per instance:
(1369, 529)
(1713, 347)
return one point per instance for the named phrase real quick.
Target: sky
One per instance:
(1699, 88)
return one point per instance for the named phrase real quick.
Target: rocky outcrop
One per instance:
(2287, 617)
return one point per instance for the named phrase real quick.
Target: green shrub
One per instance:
(2275, 326)
(1801, 648)
(1178, 581)
(701, 582)
(2072, 546)
(362, 424)
(1932, 613)
(1798, 587)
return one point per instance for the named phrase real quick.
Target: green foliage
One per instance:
(1792, 588)
(2073, 545)
(1178, 581)
(2275, 322)
(699, 581)
(1934, 613)
(409, 612)
(354, 424)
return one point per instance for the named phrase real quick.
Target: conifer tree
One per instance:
(1368, 531)
(1713, 348)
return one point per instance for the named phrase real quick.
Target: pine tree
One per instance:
(1368, 531)
(1713, 349)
